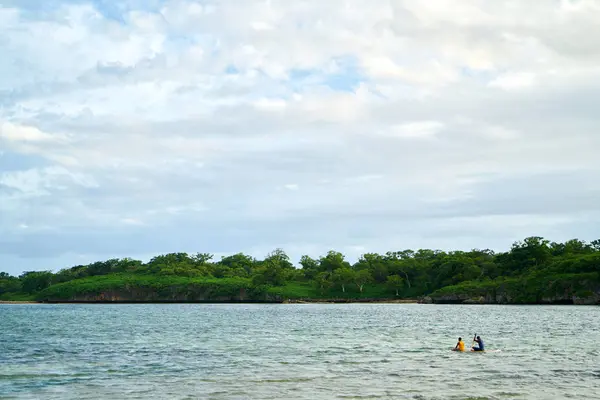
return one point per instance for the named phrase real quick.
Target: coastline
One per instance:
(354, 301)
(288, 301)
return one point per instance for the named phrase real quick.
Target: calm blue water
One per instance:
(356, 351)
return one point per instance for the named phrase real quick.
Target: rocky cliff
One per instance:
(139, 295)
(591, 298)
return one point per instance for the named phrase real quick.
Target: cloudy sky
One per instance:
(139, 127)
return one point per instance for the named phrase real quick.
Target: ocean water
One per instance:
(297, 351)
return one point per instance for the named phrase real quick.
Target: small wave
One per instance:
(476, 398)
(10, 377)
(284, 380)
(508, 394)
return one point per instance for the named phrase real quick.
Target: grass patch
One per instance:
(148, 287)
(17, 297)
(294, 290)
(309, 291)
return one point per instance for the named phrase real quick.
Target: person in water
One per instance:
(480, 346)
(460, 346)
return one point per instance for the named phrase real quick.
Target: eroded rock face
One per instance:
(505, 298)
(502, 298)
(587, 301)
(475, 300)
(140, 295)
(451, 299)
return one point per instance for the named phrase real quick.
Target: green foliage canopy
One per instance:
(531, 266)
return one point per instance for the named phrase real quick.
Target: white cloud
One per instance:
(42, 181)
(514, 81)
(132, 221)
(499, 132)
(372, 123)
(419, 129)
(261, 26)
(270, 104)
(21, 133)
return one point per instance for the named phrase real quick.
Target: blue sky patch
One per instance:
(346, 79)
(12, 161)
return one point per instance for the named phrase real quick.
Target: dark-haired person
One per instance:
(480, 346)
(460, 346)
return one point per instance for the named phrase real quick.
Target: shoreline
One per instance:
(289, 301)
(316, 301)
(353, 301)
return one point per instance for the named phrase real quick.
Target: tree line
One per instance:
(405, 273)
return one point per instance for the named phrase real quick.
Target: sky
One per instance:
(133, 128)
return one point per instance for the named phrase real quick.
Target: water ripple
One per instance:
(358, 351)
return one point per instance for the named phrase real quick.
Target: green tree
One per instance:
(575, 247)
(532, 252)
(376, 264)
(310, 267)
(343, 276)
(361, 278)
(401, 263)
(322, 281)
(35, 281)
(270, 272)
(202, 258)
(294, 275)
(332, 261)
(279, 257)
(9, 284)
(238, 260)
(395, 282)
(221, 271)
(171, 263)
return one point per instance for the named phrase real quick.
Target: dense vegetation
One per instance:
(532, 271)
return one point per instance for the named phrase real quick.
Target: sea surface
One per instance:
(297, 351)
